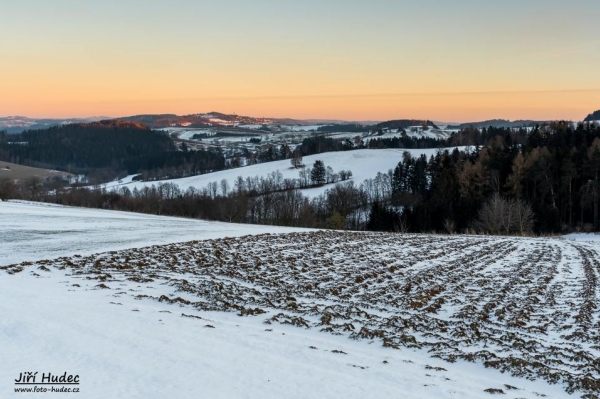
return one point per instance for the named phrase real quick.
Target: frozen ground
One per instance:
(364, 164)
(304, 314)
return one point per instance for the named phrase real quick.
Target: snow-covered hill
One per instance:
(364, 164)
(18, 124)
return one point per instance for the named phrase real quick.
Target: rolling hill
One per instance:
(302, 314)
(364, 164)
(19, 172)
(594, 116)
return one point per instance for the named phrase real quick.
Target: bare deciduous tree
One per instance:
(345, 174)
(33, 186)
(296, 159)
(8, 189)
(450, 226)
(504, 216)
(523, 217)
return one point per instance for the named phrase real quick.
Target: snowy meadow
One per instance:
(364, 164)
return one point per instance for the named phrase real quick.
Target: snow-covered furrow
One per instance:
(524, 306)
(122, 347)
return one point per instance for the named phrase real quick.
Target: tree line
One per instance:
(466, 137)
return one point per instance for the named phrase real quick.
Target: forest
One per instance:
(79, 148)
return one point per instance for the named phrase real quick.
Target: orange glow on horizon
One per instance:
(452, 107)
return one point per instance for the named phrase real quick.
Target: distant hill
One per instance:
(594, 116)
(334, 122)
(18, 124)
(500, 123)
(194, 120)
(403, 124)
(219, 119)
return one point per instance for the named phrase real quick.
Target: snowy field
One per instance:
(415, 132)
(187, 134)
(291, 128)
(585, 237)
(302, 314)
(293, 135)
(364, 164)
(34, 231)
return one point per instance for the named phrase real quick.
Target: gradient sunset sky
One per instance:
(460, 60)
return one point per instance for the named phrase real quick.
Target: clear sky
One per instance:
(458, 60)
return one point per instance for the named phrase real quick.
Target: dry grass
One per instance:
(20, 172)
